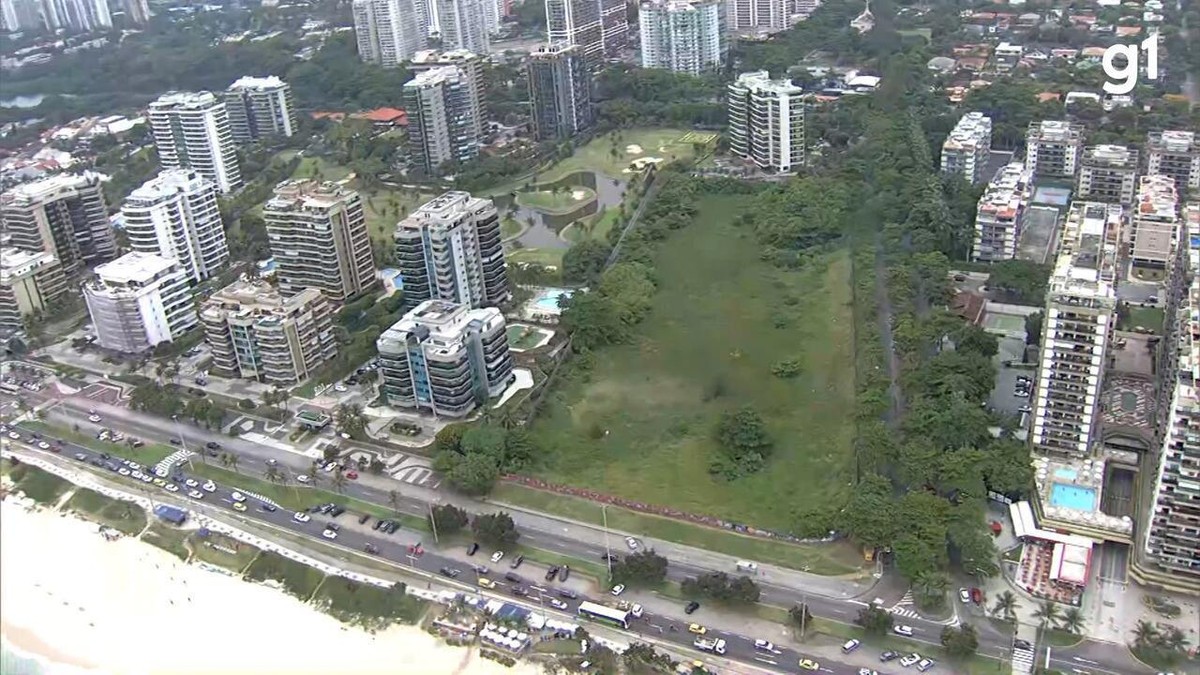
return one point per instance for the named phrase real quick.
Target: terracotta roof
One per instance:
(335, 116)
(969, 306)
(1048, 96)
(383, 115)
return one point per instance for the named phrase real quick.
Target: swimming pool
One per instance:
(1073, 497)
(1066, 473)
(547, 300)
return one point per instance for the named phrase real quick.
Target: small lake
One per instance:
(547, 226)
(30, 101)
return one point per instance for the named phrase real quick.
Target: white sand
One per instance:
(633, 149)
(70, 597)
(579, 195)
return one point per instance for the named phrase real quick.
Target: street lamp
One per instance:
(607, 550)
(183, 441)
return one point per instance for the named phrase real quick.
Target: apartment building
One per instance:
(30, 281)
(766, 121)
(471, 66)
(137, 12)
(464, 25)
(81, 16)
(1000, 214)
(1053, 149)
(257, 334)
(389, 32)
(746, 15)
(1175, 154)
(449, 249)
(1155, 226)
(1079, 319)
(1107, 173)
(614, 27)
(139, 301)
(64, 215)
(582, 23)
(443, 118)
(966, 150)
(683, 36)
(445, 358)
(191, 130)
(176, 215)
(260, 107)
(319, 239)
(560, 92)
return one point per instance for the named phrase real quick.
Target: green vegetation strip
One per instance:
(40, 486)
(124, 516)
(296, 578)
(147, 455)
(168, 539)
(368, 605)
(215, 549)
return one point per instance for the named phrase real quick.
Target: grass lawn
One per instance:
(523, 337)
(368, 605)
(147, 455)
(563, 201)
(642, 425)
(215, 549)
(551, 257)
(384, 207)
(168, 539)
(509, 227)
(1150, 318)
(120, 515)
(40, 486)
(298, 579)
(318, 168)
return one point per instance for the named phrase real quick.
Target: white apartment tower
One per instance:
(464, 25)
(471, 65)
(319, 239)
(966, 150)
(191, 130)
(1155, 224)
(600, 28)
(65, 216)
(1080, 317)
(138, 301)
(1053, 149)
(1175, 154)
(774, 15)
(683, 36)
(389, 32)
(1107, 173)
(766, 121)
(1000, 214)
(443, 118)
(560, 92)
(260, 107)
(449, 249)
(30, 281)
(175, 215)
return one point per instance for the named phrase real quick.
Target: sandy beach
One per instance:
(80, 602)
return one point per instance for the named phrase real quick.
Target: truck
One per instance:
(716, 646)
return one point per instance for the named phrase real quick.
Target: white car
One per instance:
(764, 645)
(631, 543)
(237, 497)
(867, 671)
(209, 486)
(81, 457)
(14, 435)
(160, 472)
(137, 474)
(329, 534)
(637, 611)
(118, 436)
(910, 659)
(964, 595)
(618, 589)
(191, 482)
(328, 468)
(497, 556)
(196, 494)
(906, 631)
(94, 418)
(171, 487)
(123, 471)
(301, 517)
(135, 466)
(339, 387)
(302, 478)
(926, 664)
(146, 478)
(44, 445)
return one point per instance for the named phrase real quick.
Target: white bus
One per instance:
(608, 615)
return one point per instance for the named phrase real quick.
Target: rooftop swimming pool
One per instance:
(1073, 497)
(1066, 473)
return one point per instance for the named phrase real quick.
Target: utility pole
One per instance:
(804, 617)
(433, 523)
(607, 550)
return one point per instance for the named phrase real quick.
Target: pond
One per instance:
(541, 227)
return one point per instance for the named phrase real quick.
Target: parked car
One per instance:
(449, 572)
(910, 659)
(964, 595)
(889, 655)
(631, 543)
(850, 646)
(364, 518)
(517, 561)
(497, 556)
(618, 589)
(513, 577)
(552, 573)
(564, 573)
(567, 593)
(558, 604)
(473, 548)
(691, 607)
(925, 665)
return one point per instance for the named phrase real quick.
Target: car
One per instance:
(520, 591)
(764, 645)
(924, 665)
(123, 471)
(364, 518)
(352, 475)
(329, 534)
(135, 466)
(850, 646)
(889, 655)
(14, 435)
(379, 523)
(637, 611)
(195, 494)
(567, 593)
(158, 482)
(371, 548)
(146, 479)
(809, 664)
(449, 572)
(610, 557)
(1022, 644)
(516, 562)
(1025, 409)
(482, 570)
(697, 629)
(691, 607)
(118, 436)
(238, 506)
(160, 472)
(392, 527)
(473, 548)
(558, 604)
(339, 387)
(564, 573)
(910, 659)
(190, 482)
(237, 496)
(618, 589)
(301, 517)
(513, 577)
(497, 556)
(268, 507)
(960, 277)
(328, 468)
(415, 549)
(94, 418)
(136, 443)
(631, 543)
(964, 595)
(552, 573)
(44, 445)
(326, 508)
(867, 671)
(484, 582)
(209, 486)
(302, 478)
(175, 441)
(337, 511)
(171, 487)
(976, 595)
(213, 445)
(80, 456)
(903, 630)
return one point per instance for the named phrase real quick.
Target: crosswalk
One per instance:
(1022, 661)
(164, 467)
(901, 608)
(260, 498)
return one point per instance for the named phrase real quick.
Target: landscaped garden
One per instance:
(558, 200)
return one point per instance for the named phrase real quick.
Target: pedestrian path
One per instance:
(164, 467)
(901, 608)
(1022, 661)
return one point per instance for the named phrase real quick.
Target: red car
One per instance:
(977, 596)
(351, 475)
(415, 549)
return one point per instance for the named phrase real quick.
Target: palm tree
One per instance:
(1072, 620)
(1145, 634)
(394, 500)
(224, 459)
(338, 481)
(1046, 614)
(233, 462)
(271, 474)
(1006, 604)
(930, 585)
(1174, 639)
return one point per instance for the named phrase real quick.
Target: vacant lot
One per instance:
(127, 517)
(642, 427)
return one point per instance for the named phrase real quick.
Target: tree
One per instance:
(930, 587)
(448, 518)
(473, 475)
(644, 568)
(1072, 620)
(350, 420)
(1145, 634)
(1006, 605)
(722, 588)
(960, 641)
(592, 321)
(743, 444)
(1020, 281)
(496, 529)
(584, 261)
(1033, 328)
(800, 617)
(1046, 613)
(338, 481)
(874, 619)
(870, 516)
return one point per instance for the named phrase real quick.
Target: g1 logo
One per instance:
(1122, 79)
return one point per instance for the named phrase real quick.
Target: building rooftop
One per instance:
(446, 208)
(16, 263)
(186, 100)
(253, 299)
(1113, 156)
(434, 56)
(300, 195)
(1054, 131)
(1006, 193)
(761, 81)
(133, 269)
(50, 186)
(434, 76)
(969, 131)
(261, 83)
(1173, 141)
(1156, 199)
(1087, 253)
(166, 184)
(440, 325)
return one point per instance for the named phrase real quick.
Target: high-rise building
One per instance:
(191, 130)
(614, 27)
(471, 65)
(1175, 154)
(65, 216)
(766, 121)
(560, 92)
(683, 36)
(966, 150)
(319, 239)
(1078, 323)
(1053, 149)
(75, 15)
(445, 358)
(1155, 226)
(773, 15)
(443, 118)
(577, 22)
(449, 249)
(138, 301)
(257, 334)
(1000, 214)
(175, 215)
(137, 12)
(492, 11)
(29, 282)
(463, 25)
(1107, 173)
(1172, 535)
(389, 32)
(260, 107)
(19, 15)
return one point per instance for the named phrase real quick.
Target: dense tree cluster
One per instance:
(722, 588)
(743, 445)
(448, 518)
(644, 568)
(495, 529)
(474, 457)
(630, 97)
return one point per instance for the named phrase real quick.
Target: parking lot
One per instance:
(1004, 399)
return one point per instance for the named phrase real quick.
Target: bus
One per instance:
(608, 615)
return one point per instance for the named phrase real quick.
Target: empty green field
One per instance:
(124, 516)
(642, 424)
(556, 201)
(40, 486)
(222, 551)
(296, 578)
(167, 538)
